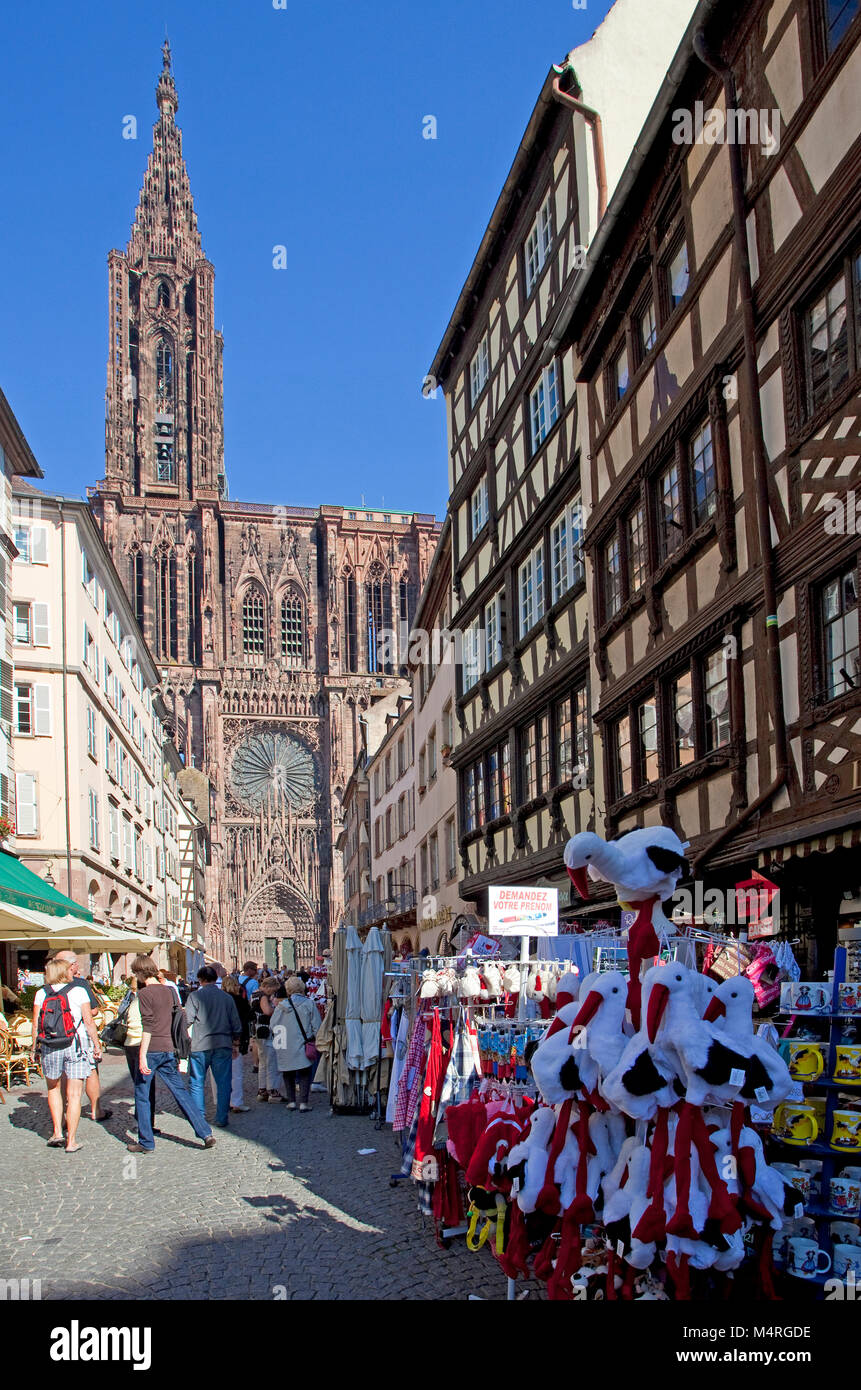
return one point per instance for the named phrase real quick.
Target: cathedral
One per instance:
(269, 623)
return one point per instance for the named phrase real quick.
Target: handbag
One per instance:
(312, 1052)
(179, 1033)
(114, 1034)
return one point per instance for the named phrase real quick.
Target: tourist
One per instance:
(133, 1039)
(93, 1087)
(157, 1057)
(169, 977)
(294, 1025)
(248, 979)
(232, 987)
(65, 1035)
(263, 1006)
(216, 1032)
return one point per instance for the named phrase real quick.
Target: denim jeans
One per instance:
(217, 1060)
(132, 1055)
(163, 1065)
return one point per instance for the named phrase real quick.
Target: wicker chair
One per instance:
(15, 1057)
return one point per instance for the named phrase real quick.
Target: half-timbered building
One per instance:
(522, 749)
(718, 325)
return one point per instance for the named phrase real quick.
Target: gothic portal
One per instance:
(265, 620)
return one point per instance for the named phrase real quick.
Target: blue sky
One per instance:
(303, 127)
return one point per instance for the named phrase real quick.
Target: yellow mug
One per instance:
(795, 1123)
(846, 1130)
(847, 1067)
(806, 1062)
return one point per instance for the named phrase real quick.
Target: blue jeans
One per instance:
(220, 1061)
(163, 1065)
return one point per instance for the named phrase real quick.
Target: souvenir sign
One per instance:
(524, 911)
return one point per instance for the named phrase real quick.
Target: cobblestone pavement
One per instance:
(283, 1206)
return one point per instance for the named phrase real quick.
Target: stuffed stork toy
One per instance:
(644, 867)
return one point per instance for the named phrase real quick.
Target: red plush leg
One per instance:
(653, 1223)
(581, 1208)
(721, 1207)
(766, 1268)
(735, 1127)
(679, 1271)
(611, 1275)
(628, 1283)
(543, 1265)
(548, 1197)
(515, 1257)
(568, 1261)
(681, 1224)
(642, 943)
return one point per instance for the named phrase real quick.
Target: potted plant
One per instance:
(446, 750)
(7, 828)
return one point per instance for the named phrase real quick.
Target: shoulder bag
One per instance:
(311, 1050)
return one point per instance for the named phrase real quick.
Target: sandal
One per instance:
(75, 1150)
(57, 1142)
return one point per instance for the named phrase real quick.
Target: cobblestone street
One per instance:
(282, 1200)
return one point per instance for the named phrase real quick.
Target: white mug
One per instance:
(803, 1259)
(853, 1173)
(813, 1166)
(847, 1259)
(845, 1196)
(797, 1177)
(845, 1233)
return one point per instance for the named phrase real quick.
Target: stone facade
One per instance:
(265, 620)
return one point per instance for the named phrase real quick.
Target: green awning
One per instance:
(22, 888)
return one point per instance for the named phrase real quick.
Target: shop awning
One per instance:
(20, 887)
(848, 837)
(40, 930)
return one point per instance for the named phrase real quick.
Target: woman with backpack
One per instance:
(65, 1035)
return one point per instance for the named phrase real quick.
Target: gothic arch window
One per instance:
(378, 592)
(192, 609)
(293, 629)
(351, 643)
(253, 624)
(166, 626)
(136, 584)
(162, 299)
(164, 372)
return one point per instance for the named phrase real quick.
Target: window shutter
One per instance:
(148, 863)
(39, 545)
(41, 626)
(6, 691)
(113, 817)
(42, 709)
(25, 797)
(4, 601)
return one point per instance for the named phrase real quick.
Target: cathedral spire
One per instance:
(165, 222)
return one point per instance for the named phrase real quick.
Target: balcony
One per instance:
(396, 905)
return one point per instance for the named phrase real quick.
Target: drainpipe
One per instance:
(65, 699)
(760, 460)
(594, 120)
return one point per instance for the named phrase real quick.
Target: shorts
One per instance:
(66, 1061)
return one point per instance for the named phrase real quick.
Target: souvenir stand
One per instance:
(348, 1037)
(613, 1149)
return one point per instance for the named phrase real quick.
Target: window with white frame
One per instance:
(92, 745)
(33, 709)
(94, 819)
(27, 811)
(478, 509)
(479, 371)
(433, 858)
(530, 587)
(544, 404)
(114, 831)
(128, 843)
(538, 243)
(450, 849)
(472, 654)
(566, 549)
(492, 633)
(32, 544)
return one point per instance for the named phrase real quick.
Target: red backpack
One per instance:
(57, 1027)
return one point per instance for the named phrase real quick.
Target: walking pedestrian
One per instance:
(158, 1058)
(133, 1039)
(248, 979)
(263, 1005)
(232, 987)
(294, 1027)
(216, 1033)
(65, 1035)
(93, 1087)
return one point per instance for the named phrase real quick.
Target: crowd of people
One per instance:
(179, 1033)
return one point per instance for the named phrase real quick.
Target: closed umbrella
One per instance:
(371, 995)
(353, 1009)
